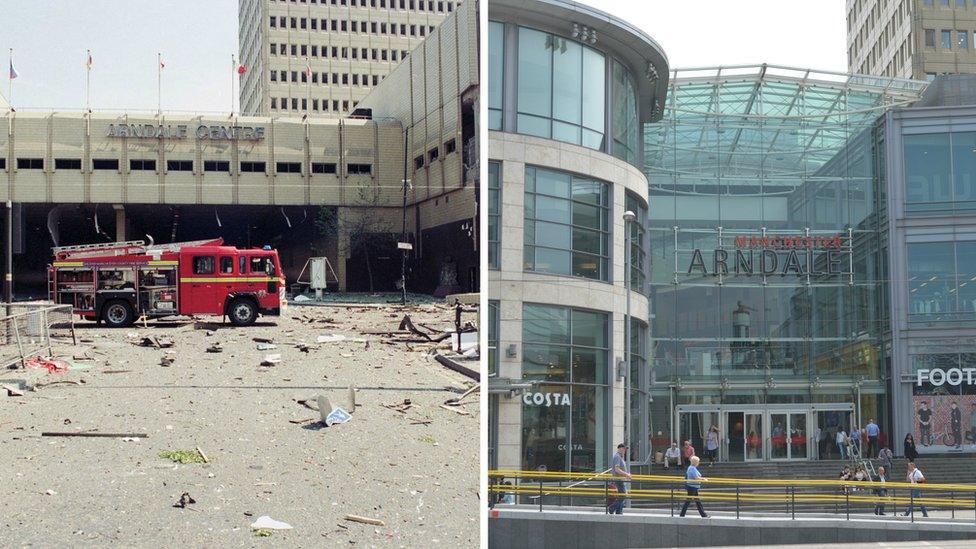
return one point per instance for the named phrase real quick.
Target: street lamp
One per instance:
(629, 218)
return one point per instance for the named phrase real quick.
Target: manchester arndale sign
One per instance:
(786, 255)
(180, 131)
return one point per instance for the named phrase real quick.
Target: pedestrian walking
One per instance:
(873, 431)
(687, 453)
(881, 491)
(915, 476)
(621, 470)
(711, 444)
(911, 453)
(885, 456)
(841, 441)
(672, 455)
(854, 440)
(692, 487)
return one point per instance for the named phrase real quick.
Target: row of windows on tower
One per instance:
(418, 5)
(344, 25)
(344, 79)
(282, 103)
(304, 50)
(187, 166)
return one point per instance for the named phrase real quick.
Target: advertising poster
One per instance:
(944, 410)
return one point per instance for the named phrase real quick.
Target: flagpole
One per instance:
(88, 82)
(233, 70)
(159, 83)
(308, 85)
(10, 80)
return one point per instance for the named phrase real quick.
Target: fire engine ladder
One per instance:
(105, 249)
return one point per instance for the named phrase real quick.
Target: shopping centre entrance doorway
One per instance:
(771, 432)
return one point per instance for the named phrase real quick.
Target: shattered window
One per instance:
(203, 264)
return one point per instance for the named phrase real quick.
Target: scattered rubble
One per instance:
(185, 499)
(264, 522)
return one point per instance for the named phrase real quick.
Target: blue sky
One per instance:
(49, 38)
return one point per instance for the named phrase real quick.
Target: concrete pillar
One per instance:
(119, 222)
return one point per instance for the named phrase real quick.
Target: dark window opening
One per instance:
(323, 167)
(289, 167)
(252, 167)
(67, 163)
(216, 166)
(203, 265)
(142, 165)
(450, 146)
(361, 169)
(179, 165)
(30, 163)
(418, 162)
(105, 164)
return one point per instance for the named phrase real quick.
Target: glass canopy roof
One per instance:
(762, 123)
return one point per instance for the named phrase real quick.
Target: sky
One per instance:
(198, 37)
(810, 34)
(49, 38)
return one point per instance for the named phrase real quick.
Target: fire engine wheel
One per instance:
(117, 314)
(242, 312)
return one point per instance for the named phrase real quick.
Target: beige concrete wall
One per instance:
(512, 286)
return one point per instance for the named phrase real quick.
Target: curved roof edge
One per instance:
(645, 58)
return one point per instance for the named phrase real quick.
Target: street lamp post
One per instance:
(629, 217)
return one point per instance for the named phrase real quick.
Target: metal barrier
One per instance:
(789, 497)
(31, 329)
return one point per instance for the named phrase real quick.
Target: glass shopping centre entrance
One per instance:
(773, 432)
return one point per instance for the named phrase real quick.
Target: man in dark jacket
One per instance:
(881, 492)
(955, 420)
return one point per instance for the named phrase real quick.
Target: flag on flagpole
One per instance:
(241, 69)
(13, 72)
(308, 67)
(162, 65)
(88, 61)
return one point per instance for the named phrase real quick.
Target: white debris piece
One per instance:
(264, 521)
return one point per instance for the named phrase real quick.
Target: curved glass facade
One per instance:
(767, 257)
(561, 90)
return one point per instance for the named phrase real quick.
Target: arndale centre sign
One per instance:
(797, 255)
(179, 131)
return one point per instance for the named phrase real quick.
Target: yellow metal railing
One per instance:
(741, 491)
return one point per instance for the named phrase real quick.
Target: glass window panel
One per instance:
(534, 73)
(587, 241)
(625, 124)
(589, 328)
(585, 215)
(594, 89)
(545, 434)
(589, 266)
(931, 274)
(589, 445)
(927, 168)
(964, 170)
(568, 133)
(496, 57)
(966, 277)
(545, 362)
(592, 139)
(588, 191)
(555, 262)
(534, 125)
(552, 183)
(946, 41)
(546, 324)
(553, 235)
(567, 72)
(494, 213)
(589, 366)
(552, 209)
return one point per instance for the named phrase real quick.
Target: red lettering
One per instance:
(740, 241)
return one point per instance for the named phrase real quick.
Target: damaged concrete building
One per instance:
(306, 185)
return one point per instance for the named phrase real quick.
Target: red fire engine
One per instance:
(119, 282)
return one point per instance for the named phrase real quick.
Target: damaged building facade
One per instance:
(307, 186)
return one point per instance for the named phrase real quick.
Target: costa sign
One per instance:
(939, 377)
(796, 255)
(546, 399)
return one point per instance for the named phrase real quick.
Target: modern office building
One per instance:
(322, 57)
(911, 38)
(931, 202)
(570, 87)
(307, 186)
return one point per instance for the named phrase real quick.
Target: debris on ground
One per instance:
(204, 456)
(401, 407)
(183, 456)
(262, 340)
(166, 361)
(338, 415)
(365, 520)
(215, 348)
(271, 360)
(12, 391)
(52, 365)
(185, 499)
(93, 434)
(264, 522)
(266, 346)
(263, 532)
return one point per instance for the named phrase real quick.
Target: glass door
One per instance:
(735, 438)
(779, 436)
(798, 436)
(754, 436)
(830, 422)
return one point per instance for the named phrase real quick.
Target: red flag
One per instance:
(241, 69)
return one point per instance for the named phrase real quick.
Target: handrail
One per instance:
(865, 484)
